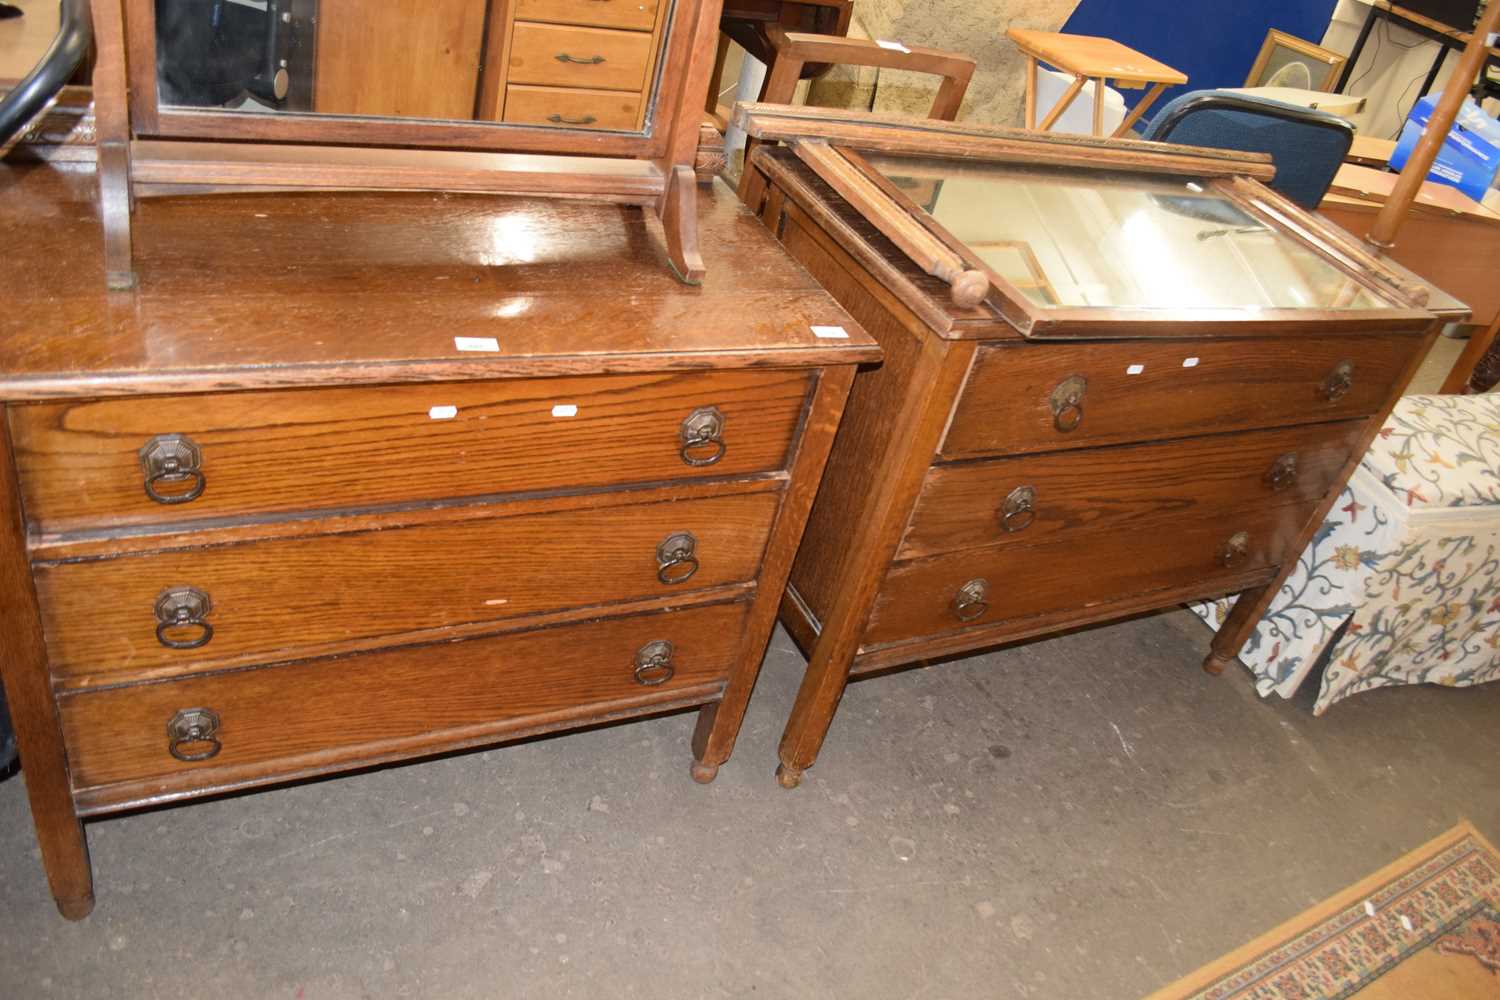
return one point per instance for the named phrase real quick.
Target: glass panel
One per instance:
(1110, 239)
(565, 63)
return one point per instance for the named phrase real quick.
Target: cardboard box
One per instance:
(1469, 157)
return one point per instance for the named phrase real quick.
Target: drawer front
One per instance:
(560, 106)
(632, 15)
(922, 597)
(416, 699)
(81, 467)
(558, 55)
(1083, 493)
(286, 597)
(1179, 388)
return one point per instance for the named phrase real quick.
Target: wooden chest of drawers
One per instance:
(987, 487)
(407, 495)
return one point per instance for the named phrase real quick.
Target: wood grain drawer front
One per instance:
(556, 55)
(562, 106)
(922, 597)
(632, 15)
(322, 712)
(1137, 391)
(1081, 493)
(292, 596)
(266, 452)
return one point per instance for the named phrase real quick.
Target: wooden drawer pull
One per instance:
(971, 600)
(1019, 509)
(1283, 472)
(653, 663)
(170, 459)
(704, 427)
(1339, 381)
(190, 727)
(563, 57)
(675, 558)
(564, 120)
(1235, 549)
(1067, 403)
(183, 608)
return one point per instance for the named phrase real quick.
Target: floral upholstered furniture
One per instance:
(1409, 557)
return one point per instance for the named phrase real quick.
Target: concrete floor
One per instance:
(1086, 817)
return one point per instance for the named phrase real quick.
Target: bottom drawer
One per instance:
(564, 106)
(295, 718)
(922, 597)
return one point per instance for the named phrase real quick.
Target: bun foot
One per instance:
(75, 909)
(788, 777)
(704, 773)
(1215, 663)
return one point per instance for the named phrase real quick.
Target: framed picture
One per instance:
(1288, 61)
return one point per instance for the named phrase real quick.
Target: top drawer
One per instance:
(88, 464)
(633, 15)
(1016, 397)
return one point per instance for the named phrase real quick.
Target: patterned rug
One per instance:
(1424, 928)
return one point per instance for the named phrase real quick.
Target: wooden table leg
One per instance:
(1062, 105)
(1457, 382)
(1241, 621)
(1099, 107)
(719, 722)
(1141, 106)
(28, 689)
(1031, 71)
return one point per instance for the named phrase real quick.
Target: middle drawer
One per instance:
(562, 55)
(113, 619)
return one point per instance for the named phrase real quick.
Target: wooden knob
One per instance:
(969, 289)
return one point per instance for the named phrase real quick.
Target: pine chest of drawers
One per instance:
(458, 470)
(1097, 437)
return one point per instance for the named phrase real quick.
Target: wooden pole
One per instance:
(1383, 233)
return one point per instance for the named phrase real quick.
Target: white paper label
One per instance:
(1135, 369)
(1190, 362)
(893, 46)
(1406, 923)
(830, 332)
(1369, 908)
(565, 410)
(477, 344)
(443, 412)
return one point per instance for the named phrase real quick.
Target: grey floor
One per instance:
(1086, 817)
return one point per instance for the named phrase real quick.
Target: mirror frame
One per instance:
(148, 149)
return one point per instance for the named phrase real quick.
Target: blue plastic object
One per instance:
(1468, 158)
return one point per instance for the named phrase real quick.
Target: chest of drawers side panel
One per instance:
(868, 488)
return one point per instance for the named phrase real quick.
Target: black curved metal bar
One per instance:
(75, 33)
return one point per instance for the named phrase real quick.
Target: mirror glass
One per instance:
(565, 63)
(1107, 239)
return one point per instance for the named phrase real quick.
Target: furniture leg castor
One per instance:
(1215, 663)
(704, 773)
(788, 777)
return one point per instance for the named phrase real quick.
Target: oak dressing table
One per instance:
(1152, 393)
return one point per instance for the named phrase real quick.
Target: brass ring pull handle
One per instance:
(969, 603)
(563, 57)
(1339, 381)
(183, 608)
(169, 459)
(1067, 402)
(1283, 472)
(193, 726)
(704, 428)
(564, 120)
(675, 561)
(653, 663)
(1235, 549)
(1019, 509)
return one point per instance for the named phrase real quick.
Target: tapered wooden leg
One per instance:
(719, 723)
(679, 217)
(1238, 625)
(23, 666)
(115, 209)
